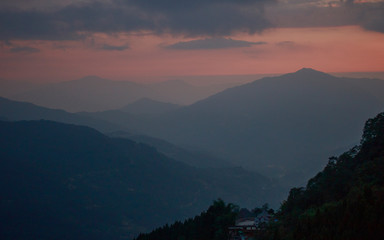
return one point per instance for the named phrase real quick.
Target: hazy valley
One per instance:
(146, 161)
(272, 125)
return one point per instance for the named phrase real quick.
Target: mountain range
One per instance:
(146, 106)
(62, 181)
(190, 157)
(344, 201)
(162, 162)
(272, 125)
(16, 111)
(93, 93)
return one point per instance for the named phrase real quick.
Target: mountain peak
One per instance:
(310, 72)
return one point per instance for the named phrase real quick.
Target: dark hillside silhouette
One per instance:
(281, 126)
(63, 181)
(342, 202)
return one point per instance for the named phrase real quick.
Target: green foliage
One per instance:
(345, 200)
(209, 225)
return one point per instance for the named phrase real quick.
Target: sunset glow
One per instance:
(334, 49)
(324, 41)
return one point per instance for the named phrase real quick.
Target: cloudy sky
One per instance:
(47, 40)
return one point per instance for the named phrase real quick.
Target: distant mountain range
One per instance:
(9, 88)
(16, 111)
(61, 181)
(192, 158)
(272, 125)
(280, 126)
(93, 93)
(146, 106)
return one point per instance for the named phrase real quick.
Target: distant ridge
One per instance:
(61, 181)
(93, 93)
(274, 124)
(149, 107)
(310, 73)
(16, 111)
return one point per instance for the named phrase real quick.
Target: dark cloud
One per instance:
(206, 17)
(369, 15)
(212, 43)
(34, 25)
(189, 18)
(71, 20)
(293, 46)
(24, 50)
(114, 48)
(373, 16)
(285, 43)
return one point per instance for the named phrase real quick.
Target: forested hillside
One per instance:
(61, 181)
(209, 225)
(345, 200)
(342, 202)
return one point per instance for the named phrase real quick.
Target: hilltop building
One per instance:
(246, 228)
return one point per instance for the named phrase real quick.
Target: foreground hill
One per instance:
(342, 202)
(282, 126)
(345, 200)
(64, 181)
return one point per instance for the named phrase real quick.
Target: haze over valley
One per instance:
(268, 125)
(247, 144)
(191, 120)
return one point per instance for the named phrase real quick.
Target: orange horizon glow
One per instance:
(331, 49)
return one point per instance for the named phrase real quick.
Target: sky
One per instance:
(49, 41)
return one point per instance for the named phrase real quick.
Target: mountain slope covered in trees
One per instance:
(342, 202)
(345, 200)
(209, 225)
(63, 181)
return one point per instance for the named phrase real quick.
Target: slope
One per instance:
(344, 201)
(93, 93)
(89, 93)
(15, 111)
(149, 107)
(274, 124)
(192, 158)
(64, 181)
